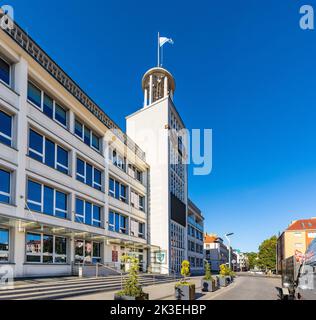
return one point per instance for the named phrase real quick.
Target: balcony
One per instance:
(195, 224)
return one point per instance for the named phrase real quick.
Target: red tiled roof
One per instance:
(304, 224)
(210, 238)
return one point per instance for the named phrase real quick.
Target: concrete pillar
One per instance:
(21, 76)
(71, 121)
(145, 98)
(150, 89)
(165, 86)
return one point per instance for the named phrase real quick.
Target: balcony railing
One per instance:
(195, 224)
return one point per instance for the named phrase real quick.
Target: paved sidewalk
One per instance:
(161, 292)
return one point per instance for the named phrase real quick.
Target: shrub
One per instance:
(208, 273)
(132, 287)
(224, 270)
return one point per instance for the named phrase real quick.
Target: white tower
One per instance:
(155, 129)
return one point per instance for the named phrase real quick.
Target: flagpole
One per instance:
(158, 50)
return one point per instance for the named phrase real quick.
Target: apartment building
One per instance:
(295, 240)
(215, 251)
(195, 239)
(73, 186)
(164, 140)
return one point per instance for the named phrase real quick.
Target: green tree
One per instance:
(252, 259)
(267, 254)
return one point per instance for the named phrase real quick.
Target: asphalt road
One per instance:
(250, 288)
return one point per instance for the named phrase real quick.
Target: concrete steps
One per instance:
(74, 287)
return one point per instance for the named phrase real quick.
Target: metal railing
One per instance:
(98, 264)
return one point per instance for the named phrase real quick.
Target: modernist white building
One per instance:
(156, 128)
(74, 189)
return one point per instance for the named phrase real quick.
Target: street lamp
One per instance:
(227, 235)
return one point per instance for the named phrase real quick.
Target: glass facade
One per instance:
(118, 222)
(87, 251)
(117, 190)
(47, 104)
(42, 248)
(88, 174)
(46, 151)
(88, 213)
(46, 200)
(87, 135)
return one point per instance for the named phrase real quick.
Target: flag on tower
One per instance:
(163, 40)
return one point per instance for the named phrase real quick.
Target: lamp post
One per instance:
(227, 235)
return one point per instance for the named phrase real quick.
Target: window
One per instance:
(48, 152)
(5, 128)
(141, 230)
(135, 173)
(47, 104)
(88, 213)
(87, 135)
(42, 248)
(137, 201)
(46, 200)
(117, 190)
(141, 203)
(34, 95)
(117, 159)
(4, 245)
(5, 186)
(89, 175)
(5, 70)
(118, 222)
(87, 251)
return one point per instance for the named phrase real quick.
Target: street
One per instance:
(244, 287)
(250, 288)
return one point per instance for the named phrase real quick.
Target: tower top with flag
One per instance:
(161, 42)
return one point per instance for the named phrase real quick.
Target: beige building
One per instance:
(295, 240)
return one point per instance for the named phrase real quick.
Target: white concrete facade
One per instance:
(51, 240)
(156, 128)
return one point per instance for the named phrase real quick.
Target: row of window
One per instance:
(195, 233)
(195, 247)
(120, 162)
(196, 262)
(49, 249)
(55, 111)
(118, 191)
(54, 155)
(47, 200)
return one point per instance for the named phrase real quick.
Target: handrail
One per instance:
(110, 268)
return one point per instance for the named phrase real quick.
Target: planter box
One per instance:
(229, 279)
(185, 292)
(145, 296)
(223, 281)
(208, 285)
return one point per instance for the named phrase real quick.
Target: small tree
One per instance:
(132, 287)
(224, 270)
(185, 270)
(208, 273)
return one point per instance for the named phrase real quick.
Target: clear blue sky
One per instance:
(243, 68)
